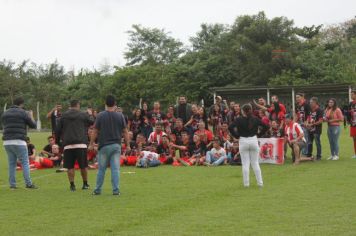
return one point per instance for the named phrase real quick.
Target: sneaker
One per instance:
(330, 158)
(116, 193)
(95, 193)
(86, 187)
(353, 157)
(72, 188)
(32, 186)
(13, 187)
(335, 158)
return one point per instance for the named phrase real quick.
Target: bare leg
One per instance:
(84, 173)
(71, 174)
(296, 151)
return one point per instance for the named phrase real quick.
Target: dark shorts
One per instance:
(301, 144)
(73, 155)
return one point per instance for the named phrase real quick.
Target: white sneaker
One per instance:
(330, 158)
(353, 157)
(335, 158)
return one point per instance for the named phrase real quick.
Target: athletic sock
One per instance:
(71, 183)
(85, 182)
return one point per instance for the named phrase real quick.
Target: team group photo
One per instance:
(240, 122)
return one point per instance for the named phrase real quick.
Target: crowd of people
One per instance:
(185, 135)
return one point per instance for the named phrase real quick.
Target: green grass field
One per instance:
(311, 199)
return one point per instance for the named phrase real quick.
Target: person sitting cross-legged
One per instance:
(217, 155)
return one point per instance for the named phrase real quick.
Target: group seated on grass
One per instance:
(190, 135)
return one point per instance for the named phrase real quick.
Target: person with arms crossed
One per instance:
(109, 127)
(15, 121)
(73, 129)
(246, 128)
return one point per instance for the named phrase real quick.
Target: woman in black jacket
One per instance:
(245, 128)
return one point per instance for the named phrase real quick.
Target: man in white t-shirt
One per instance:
(217, 155)
(148, 159)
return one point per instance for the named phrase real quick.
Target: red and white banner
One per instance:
(271, 150)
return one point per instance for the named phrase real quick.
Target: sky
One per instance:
(90, 33)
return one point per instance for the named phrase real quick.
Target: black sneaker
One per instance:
(85, 187)
(96, 193)
(32, 186)
(72, 188)
(116, 193)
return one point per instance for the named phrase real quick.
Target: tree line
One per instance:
(253, 50)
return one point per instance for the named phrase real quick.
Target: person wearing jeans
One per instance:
(18, 151)
(217, 155)
(109, 127)
(109, 154)
(15, 121)
(333, 115)
(314, 126)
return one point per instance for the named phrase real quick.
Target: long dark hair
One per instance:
(335, 104)
(247, 110)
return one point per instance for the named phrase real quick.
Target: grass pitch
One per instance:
(311, 199)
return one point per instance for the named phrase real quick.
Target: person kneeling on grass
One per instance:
(148, 159)
(217, 155)
(295, 139)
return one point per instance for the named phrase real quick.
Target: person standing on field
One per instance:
(15, 121)
(246, 128)
(73, 129)
(109, 127)
(352, 120)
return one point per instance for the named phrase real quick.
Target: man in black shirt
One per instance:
(314, 126)
(302, 109)
(183, 110)
(54, 115)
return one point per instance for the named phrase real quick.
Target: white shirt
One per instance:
(17, 142)
(150, 155)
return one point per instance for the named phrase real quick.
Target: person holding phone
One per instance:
(15, 122)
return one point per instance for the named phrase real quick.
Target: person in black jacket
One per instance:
(73, 129)
(246, 128)
(15, 121)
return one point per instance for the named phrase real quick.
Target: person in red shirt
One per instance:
(206, 136)
(182, 154)
(165, 151)
(294, 136)
(156, 136)
(352, 119)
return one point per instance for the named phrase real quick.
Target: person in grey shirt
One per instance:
(15, 122)
(109, 128)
